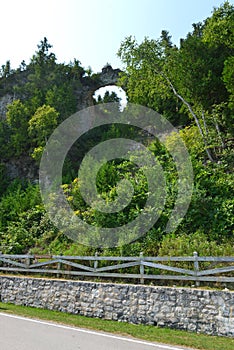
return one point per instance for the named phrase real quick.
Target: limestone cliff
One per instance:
(108, 76)
(24, 166)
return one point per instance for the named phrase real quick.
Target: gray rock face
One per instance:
(108, 76)
(4, 102)
(202, 311)
(25, 167)
(21, 168)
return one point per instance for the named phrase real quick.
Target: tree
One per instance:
(63, 99)
(17, 117)
(108, 97)
(148, 73)
(219, 34)
(228, 79)
(51, 83)
(5, 137)
(43, 56)
(76, 70)
(41, 125)
(219, 28)
(199, 74)
(42, 70)
(7, 69)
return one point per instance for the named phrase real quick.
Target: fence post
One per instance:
(142, 269)
(59, 267)
(28, 262)
(95, 262)
(196, 267)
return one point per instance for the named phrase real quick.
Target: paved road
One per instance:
(19, 333)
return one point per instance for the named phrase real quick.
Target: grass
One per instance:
(148, 333)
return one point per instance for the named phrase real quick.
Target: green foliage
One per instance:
(211, 207)
(5, 137)
(185, 245)
(191, 81)
(41, 125)
(229, 82)
(193, 141)
(108, 97)
(17, 119)
(18, 198)
(17, 239)
(4, 180)
(219, 29)
(192, 86)
(63, 99)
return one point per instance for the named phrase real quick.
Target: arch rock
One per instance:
(108, 76)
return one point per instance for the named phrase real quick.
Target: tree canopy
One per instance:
(192, 86)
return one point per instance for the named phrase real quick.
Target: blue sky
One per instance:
(92, 30)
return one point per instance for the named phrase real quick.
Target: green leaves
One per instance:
(41, 125)
(219, 29)
(17, 118)
(184, 245)
(188, 84)
(192, 86)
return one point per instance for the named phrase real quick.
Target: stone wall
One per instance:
(204, 311)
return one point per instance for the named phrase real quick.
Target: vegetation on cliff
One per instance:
(191, 85)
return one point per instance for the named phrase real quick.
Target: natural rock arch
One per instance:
(108, 76)
(24, 167)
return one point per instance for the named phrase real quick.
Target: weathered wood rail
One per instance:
(201, 269)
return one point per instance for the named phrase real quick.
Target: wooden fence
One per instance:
(191, 268)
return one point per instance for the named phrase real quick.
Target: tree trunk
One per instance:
(209, 154)
(204, 122)
(219, 133)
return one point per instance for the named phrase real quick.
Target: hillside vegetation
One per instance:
(192, 86)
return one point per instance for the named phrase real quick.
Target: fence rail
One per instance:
(194, 268)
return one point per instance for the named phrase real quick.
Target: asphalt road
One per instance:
(19, 333)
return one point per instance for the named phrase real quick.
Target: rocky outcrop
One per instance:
(108, 76)
(4, 102)
(25, 167)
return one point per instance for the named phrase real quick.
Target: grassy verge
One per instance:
(148, 333)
